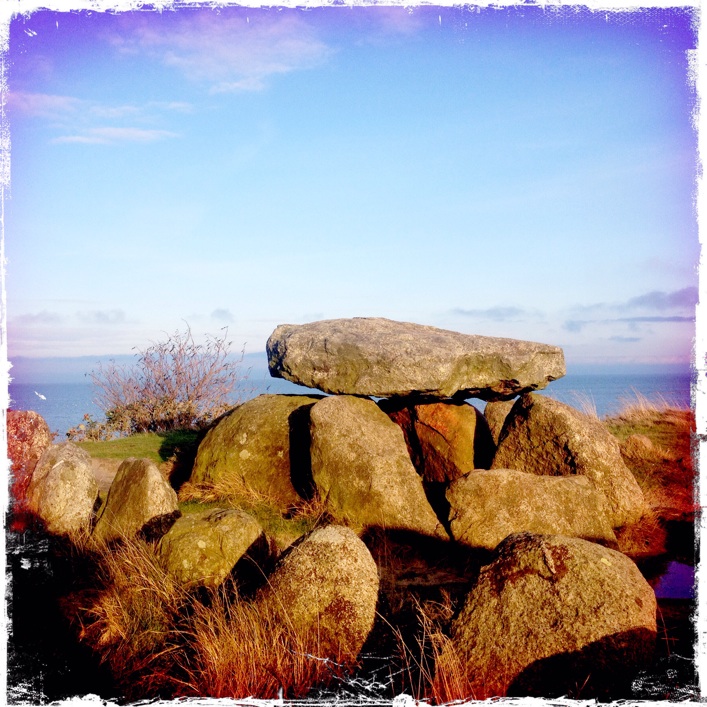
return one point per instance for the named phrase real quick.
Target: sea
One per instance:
(63, 405)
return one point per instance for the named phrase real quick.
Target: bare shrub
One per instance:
(174, 384)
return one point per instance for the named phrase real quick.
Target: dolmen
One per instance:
(537, 485)
(390, 443)
(394, 444)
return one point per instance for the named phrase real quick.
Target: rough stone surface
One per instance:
(262, 444)
(445, 439)
(488, 506)
(204, 548)
(327, 588)
(28, 435)
(545, 436)
(495, 414)
(549, 613)
(62, 491)
(454, 439)
(362, 470)
(139, 501)
(383, 358)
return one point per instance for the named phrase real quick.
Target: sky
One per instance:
(518, 172)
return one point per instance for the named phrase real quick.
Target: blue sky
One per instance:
(512, 172)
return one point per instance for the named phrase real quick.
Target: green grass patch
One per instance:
(283, 529)
(189, 507)
(155, 446)
(669, 429)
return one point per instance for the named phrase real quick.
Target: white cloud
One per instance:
(110, 316)
(112, 135)
(222, 315)
(40, 318)
(229, 51)
(45, 105)
(79, 118)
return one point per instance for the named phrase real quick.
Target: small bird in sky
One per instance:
(40, 396)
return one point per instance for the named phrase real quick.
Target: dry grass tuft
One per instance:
(431, 667)
(585, 403)
(284, 526)
(133, 618)
(241, 649)
(160, 639)
(639, 407)
(232, 488)
(647, 537)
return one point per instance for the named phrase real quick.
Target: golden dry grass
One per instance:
(160, 639)
(430, 667)
(585, 403)
(656, 438)
(132, 618)
(241, 649)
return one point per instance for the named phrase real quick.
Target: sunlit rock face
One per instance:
(362, 470)
(544, 436)
(204, 548)
(326, 589)
(262, 445)
(140, 501)
(384, 358)
(28, 435)
(550, 614)
(63, 492)
(445, 439)
(488, 506)
(495, 414)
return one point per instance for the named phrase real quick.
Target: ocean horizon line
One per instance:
(44, 370)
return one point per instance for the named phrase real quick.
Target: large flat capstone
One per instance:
(384, 358)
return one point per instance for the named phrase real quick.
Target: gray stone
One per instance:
(326, 589)
(383, 358)
(544, 436)
(362, 470)
(550, 614)
(139, 501)
(203, 548)
(495, 414)
(488, 506)
(62, 491)
(262, 445)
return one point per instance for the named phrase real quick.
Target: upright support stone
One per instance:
(362, 470)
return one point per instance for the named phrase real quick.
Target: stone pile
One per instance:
(412, 460)
(394, 446)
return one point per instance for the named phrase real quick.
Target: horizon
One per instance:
(516, 171)
(76, 370)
